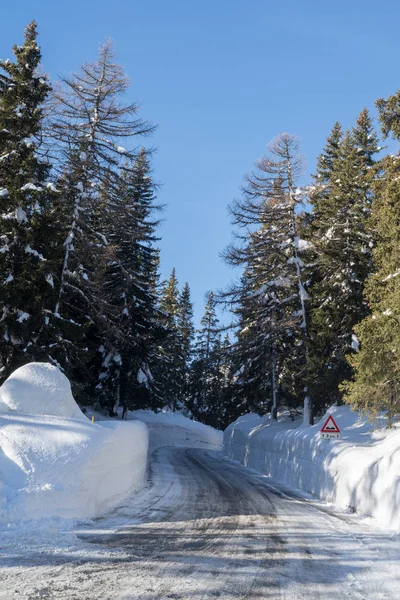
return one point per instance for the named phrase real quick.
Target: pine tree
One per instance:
(320, 190)
(170, 359)
(341, 255)
(227, 412)
(376, 383)
(206, 374)
(91, 123)
(186, 336)
(270, 300)
(126, 372)
(27, 195)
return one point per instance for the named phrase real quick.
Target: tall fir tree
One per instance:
(270, 300)
(126, 371)
(376, 382)
(27, 196)
(341, 254)
(186, 335)
(206, 389)
(170, 360)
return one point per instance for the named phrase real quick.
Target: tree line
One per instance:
(316, 307)
(315, 311)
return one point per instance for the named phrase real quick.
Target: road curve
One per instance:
(205, 527)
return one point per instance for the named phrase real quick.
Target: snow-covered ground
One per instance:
(360, 472)
(54, 462)
(173, 429)
(56, 465)
(203, 528)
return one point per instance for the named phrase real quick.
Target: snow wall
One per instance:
(360, 472)
(54, 462)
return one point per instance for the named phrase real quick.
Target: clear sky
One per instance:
(221, 78)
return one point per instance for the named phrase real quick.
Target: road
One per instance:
(207, 528)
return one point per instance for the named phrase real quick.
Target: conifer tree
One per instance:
(126, 372)
(170, 359)
(91, 124)
(206, 372)
(26, 195)
(226, 410)
(376, 383)
(270, 300)
(186, 336)
(341, 254)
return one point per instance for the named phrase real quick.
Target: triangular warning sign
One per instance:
(330, 426)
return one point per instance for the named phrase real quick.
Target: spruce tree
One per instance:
(170, 359)
(226, 412)
(341, 255)
(206, 374)
(126, 371)
(376, 382)
(186, 335)
(26, 194)
(270, 300)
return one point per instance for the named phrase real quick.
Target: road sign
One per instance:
(330, 430)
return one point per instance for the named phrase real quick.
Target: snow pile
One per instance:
(39, 389)
(173, 429)
(359, 472)
(61, 465)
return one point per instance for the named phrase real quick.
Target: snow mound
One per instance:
(360, 472)
(39, 389)
(61, 468)
(168, 428)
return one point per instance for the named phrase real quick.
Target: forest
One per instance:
(314, 314)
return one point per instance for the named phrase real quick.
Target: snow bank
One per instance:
(173, 429)
(39, 389)
(69, 468)
(360, 472)
(53, 461)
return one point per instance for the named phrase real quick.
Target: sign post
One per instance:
(330, 430)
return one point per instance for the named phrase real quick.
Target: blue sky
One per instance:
(221, 78)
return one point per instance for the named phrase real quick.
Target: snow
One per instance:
(32, 187)
(295, 260)
(141, 377)
(301, 244)
(50, 280)
(174, 429)
(204, 528)
(359, 472)
(22, 316)
(302, 292)
(3, 193)
(41, 389)
(20, 215)
(355, 344)
(55, 464)
(30, 250)
(395, 274)
(54, 467)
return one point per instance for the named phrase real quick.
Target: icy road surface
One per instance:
(207, 528)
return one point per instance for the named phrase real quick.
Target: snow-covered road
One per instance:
(207, 528)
